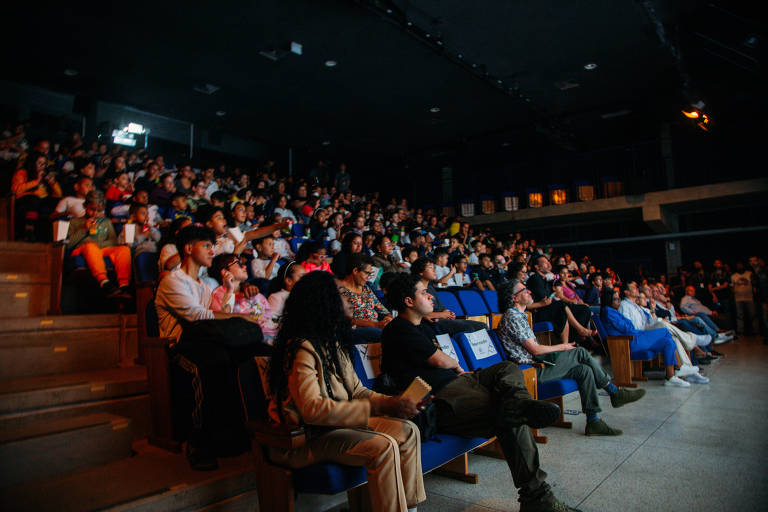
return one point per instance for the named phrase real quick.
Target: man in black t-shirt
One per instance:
(489, 402)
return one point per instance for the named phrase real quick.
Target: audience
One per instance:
(562, 361)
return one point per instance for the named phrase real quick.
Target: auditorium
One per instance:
(384, 256)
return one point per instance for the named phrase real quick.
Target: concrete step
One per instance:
(47, 449)
(152, 480)
(24, 394)
(50, 345)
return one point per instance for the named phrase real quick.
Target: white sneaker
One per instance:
(721, 338)
(676, 382)
(687, 370)
(697, 379)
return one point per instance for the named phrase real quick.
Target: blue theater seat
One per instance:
(472, 302)
(450, 301)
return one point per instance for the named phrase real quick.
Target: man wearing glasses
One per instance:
(562, 361)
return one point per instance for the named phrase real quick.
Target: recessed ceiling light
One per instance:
(590, 66)
(221, 113)
(435, 110)
(70, 72)
(330, 63)
(326, 143)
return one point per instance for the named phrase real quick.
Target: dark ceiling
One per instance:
(651, 56)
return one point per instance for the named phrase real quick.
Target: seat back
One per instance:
(450, 301)
(298, 229)
(472, 302)
(145, 267)
(450, 348)
(366, 359)
(478, 349)
(497, 343)
(491, 298)
(296, 243)
(600, 327)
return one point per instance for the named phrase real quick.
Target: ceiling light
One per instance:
(221, 113)
(206, 88)
(590, 66)
(435, 110)
(70, 72)
(330, 63)
(326, 143)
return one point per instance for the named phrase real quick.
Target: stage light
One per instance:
(535, 198)
(557, 194)
(330, 63)
(691, 115)
(221, 113)
(435, 110)
(135, 128)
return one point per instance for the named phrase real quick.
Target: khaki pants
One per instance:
(390, 450)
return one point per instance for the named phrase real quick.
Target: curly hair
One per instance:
(401, 287)
(313, 312)
(420, 265)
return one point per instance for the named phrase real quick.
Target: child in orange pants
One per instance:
(93, 237)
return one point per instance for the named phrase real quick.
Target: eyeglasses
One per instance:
(521, 291)
(235, 262)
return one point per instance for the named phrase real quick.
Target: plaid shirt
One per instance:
(513, 330)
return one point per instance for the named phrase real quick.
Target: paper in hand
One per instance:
(417, 390)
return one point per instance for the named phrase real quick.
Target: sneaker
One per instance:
(716, 353)
(537, 413)
(549, 504)
(697, 379)
(600, 428)
(113, 292)
(676, 382)
(686, 371)
(723, 339)
(703, 361)
(625, 396)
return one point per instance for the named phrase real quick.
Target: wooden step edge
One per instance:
(51, 427)
(65, 381)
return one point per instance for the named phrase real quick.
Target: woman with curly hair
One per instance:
(313, 383)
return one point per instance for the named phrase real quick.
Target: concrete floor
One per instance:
(700, 449)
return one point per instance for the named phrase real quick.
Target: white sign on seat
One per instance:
(446, 345)
(370, 354)
(481, 344)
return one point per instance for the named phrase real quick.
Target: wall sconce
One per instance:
(612, 187)
(585, 191)
(535, 198)
(511, 202)
(487, 205)
(557, 194)
(467, 208)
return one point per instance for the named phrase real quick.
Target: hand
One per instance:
(89, 223)
(275, 256)
(383, 322)
(453, 270)
(249, 290)
(567, 346)
(546, 301)
(228, 280)
(240, 246)
(403, 407)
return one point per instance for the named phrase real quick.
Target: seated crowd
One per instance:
(227, 251)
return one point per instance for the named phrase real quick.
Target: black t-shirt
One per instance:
(405, 349)
(539, 287)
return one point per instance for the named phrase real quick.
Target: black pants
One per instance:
(556, 314)
(456, 326)
(210, 352)
(481, 404)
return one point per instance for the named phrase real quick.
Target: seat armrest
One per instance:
(277, 436)
(619, 338)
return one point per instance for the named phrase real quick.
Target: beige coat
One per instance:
(308, 401)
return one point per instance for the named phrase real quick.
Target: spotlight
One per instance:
(590, 66)
(70, 72)
(435, 110)
(330, 63)
(220, 113)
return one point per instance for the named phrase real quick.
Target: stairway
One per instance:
(75, 409)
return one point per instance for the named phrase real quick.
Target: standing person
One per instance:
(741, 284)
(313, 383)
(489, 402)
(760, 282)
